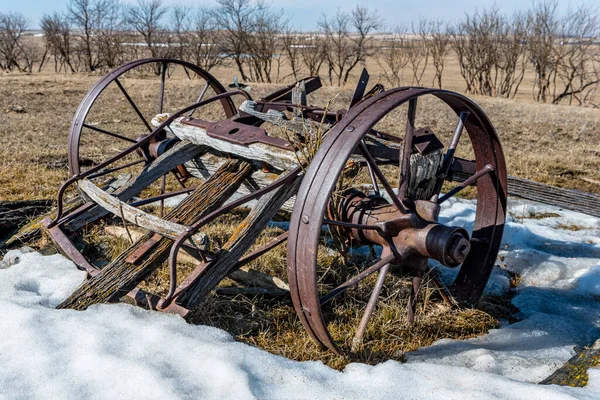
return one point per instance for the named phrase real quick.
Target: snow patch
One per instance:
(118, 351)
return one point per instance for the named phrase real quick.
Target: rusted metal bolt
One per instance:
(305, 219)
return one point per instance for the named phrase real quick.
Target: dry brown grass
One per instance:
(551, 144)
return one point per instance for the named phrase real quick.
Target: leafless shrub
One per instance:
(313, 53)
(490, 52)
(436, 39)
(111, 38)
(290, 42)
(15, 51)
(392, 57)
(577, 69)
(344, 50)
(263, 41)
(57, 34)
(145, 18)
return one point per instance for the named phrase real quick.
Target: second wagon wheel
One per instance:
(393, 214)
(118, 110)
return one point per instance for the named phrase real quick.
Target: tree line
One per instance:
(493, 50)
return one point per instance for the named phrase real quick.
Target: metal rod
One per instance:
(162, 196)
(357, 278)
(162, 87)
(382, 179)
(373, 299)
(133, 105)
(414, 296)
(449, 156)
(372, 175)
(104, 131)
(351, 225)
(404, 179)
(202, 93)
(211, 216)
(108, 171)
(469, 181)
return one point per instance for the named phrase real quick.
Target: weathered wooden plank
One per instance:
(423, 174)
(297, 124)
(138, 217)
(242, 239)
(206, 164)
(120, 277)
(179, 154)
(278, 158)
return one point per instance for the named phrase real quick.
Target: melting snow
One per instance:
(118, 351)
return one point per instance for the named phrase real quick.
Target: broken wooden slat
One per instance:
(138, 217)
(242, 239)
(179, 154)
(574, 372)
(120, 277)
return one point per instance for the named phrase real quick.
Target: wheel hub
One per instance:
(410, 236)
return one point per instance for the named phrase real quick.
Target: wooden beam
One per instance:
(120, 276)
(138, 217)
(179, 154)
(242, 239)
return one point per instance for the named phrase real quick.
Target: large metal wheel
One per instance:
(406, 228)
(116, 113)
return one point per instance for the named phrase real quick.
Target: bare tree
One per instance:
(392, 57)
(264, 41)
(111, 38)
(490, 52)
(87, 16)
(57, 33)
(578, 59)
(346, 50)
(436, 38)
(313, 53)
(15, 51)
(235, 18)
(542, 34)
(145, 18)
(204, 45)
(292, 49)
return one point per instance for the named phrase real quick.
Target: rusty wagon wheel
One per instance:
(398, 219)
(116, 113)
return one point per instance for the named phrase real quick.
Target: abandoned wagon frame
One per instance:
(240, 164)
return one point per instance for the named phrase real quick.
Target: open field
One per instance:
(558, 145)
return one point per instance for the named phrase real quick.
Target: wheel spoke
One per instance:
(469, 181)
(407, 150)
(351, 225)
(381, 177)
(357, 278)
(162, 87)
(105, 132)
(449, 156)
(199, 99)
(372, 175)
(360, 332)
(414, 296)
(163, 184)
(133, 105)
(109, 170)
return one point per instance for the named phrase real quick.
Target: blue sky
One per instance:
(306, 12)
